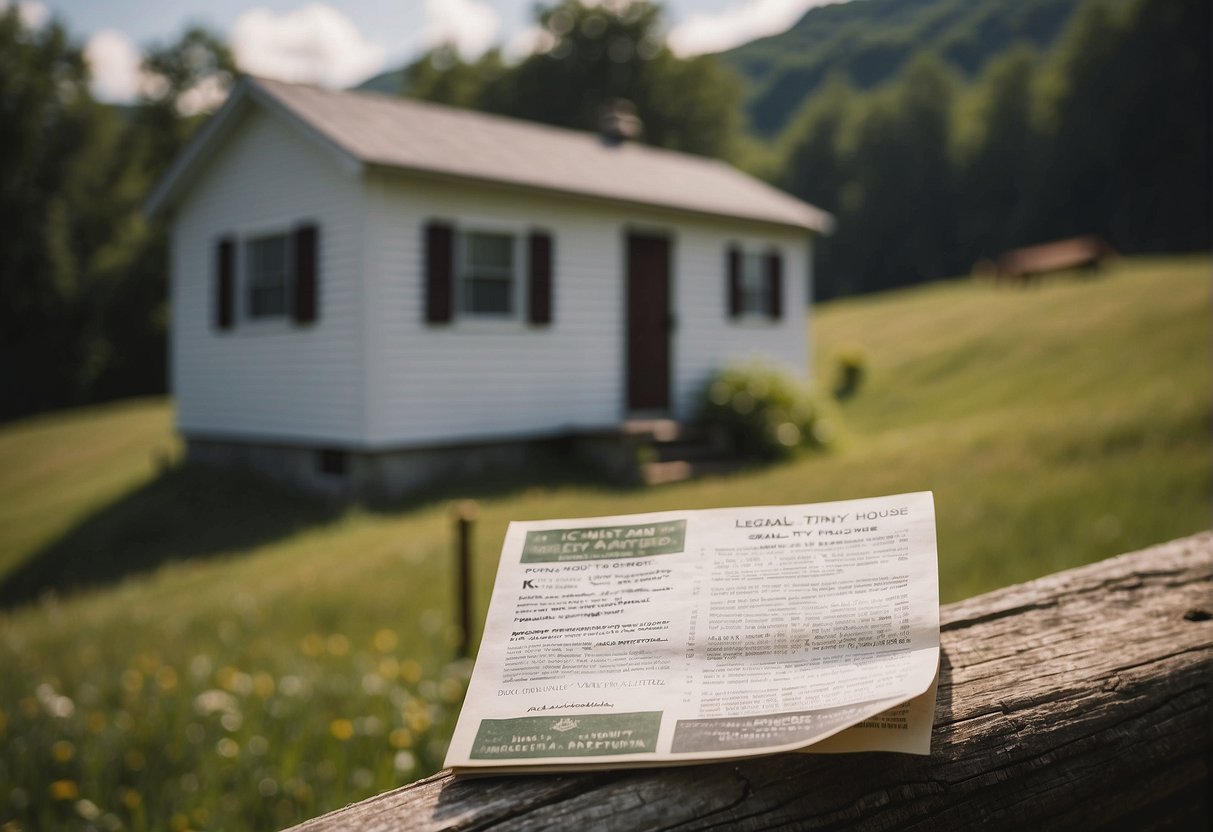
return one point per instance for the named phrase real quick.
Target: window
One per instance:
(753, 284)
(502, 276)
(267, 260)
(487, 282)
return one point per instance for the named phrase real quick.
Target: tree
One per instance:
(896, 206)
(997, 149)
(54, 145)
(595, 53)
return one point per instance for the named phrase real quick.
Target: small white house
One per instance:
(364, 287)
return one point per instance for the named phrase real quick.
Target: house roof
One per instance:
(372, 130)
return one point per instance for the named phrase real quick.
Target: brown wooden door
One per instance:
(648, 322)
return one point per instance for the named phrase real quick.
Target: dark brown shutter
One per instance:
(305, 292)
(774, 285)
(734, 269)
(225, 284)
(439, 271)
(540, 277)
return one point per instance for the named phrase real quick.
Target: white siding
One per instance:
(271, 381)
(473, 380)
(706, 338)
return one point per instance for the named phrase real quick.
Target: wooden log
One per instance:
(1080, 700)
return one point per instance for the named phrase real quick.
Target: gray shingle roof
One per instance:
(411, 135)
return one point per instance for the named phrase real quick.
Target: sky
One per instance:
(340, 44)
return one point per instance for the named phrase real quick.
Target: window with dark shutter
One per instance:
(305, 294)
(540, 306)
(224, 312)
(774, 272)
(439, 269)
(734, 272)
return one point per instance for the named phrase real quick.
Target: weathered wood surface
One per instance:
(1076, 701)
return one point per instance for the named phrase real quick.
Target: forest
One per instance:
(940, 133)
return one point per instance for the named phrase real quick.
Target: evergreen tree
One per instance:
(996, 150)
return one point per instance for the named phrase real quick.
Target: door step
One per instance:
(675, 452)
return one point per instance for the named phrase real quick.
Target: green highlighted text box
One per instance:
(604, 542)
(589, 735)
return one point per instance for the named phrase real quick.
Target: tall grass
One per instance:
(234, 656)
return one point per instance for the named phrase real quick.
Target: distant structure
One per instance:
(371, 292)
(1031, 262)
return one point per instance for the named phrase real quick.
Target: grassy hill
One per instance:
(241, 657)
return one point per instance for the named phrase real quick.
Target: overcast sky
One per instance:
(340, 44)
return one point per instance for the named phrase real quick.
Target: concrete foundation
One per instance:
(346, 473)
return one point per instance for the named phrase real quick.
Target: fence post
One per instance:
(465, 516)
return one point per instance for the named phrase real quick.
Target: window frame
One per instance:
(248, 278)
(754, 285)
(464, 234)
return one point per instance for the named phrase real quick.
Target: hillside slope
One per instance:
(870, 41)
(253, 658)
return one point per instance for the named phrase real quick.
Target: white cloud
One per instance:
(114, 64)
(313, 43)
(713, 32)
(528, 41)
(470, 25)
(32, 13)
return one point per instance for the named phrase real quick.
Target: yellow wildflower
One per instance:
(342, 729)
(385, 640)
(64, 790)
(166, 677)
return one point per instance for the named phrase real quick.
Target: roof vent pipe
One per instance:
(618, 122)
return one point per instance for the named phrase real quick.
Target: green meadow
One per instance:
(214, 652)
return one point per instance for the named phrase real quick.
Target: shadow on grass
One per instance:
(186, 512)
(193, 511)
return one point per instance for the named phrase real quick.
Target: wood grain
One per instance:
(1079, 700)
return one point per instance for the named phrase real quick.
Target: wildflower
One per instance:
(64, 790)
(166, 678)
(263, 685)
(227, 747)
(400, 738)
(418, 720)
(404, 761)
(131, 799)
(235, 680)
(388, 668)
(450, 690)
(215, 701)
(63, 751)
(342, 729)
(96, 722)
(410, 671)
(338, 645)
(312, 645)
(87, 809)
(385, 640)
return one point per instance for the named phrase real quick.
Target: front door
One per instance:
(648, 322)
